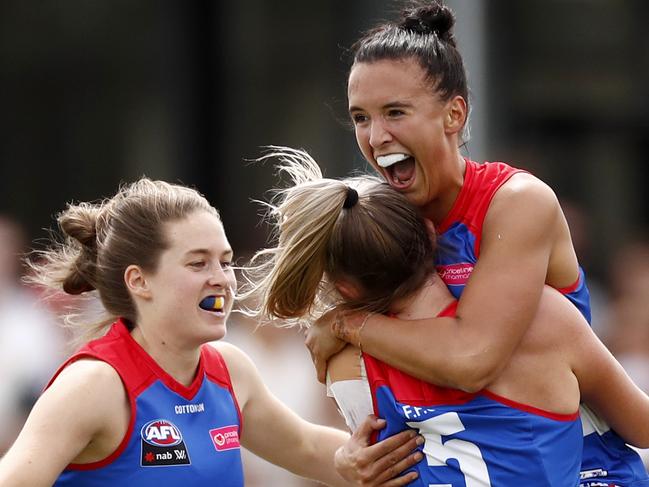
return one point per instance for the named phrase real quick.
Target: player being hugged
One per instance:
(357, 244)
(502, 234)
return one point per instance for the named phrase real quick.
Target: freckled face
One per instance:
(395, 111)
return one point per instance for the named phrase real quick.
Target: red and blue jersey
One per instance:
(177, 435)
(460, 234)
(606, 461)
(478, 439)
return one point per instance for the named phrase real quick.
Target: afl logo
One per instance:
(161, 432)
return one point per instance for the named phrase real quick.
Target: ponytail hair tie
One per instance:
(351, 199)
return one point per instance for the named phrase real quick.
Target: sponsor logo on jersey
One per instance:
(596, 474)
(455, 274)
(591, 474)
(225, 438)
(189, 408)
(162, 445)
(161, 432)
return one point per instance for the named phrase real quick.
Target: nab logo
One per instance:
(161, 432)
(162, 445)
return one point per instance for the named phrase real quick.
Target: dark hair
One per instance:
(425, 34)
(380, 243)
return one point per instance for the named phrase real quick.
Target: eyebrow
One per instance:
(226, 253)
(392, 104)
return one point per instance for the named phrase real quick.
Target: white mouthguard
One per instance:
(388, 160)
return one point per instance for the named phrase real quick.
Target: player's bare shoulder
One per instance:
(526, 188)
(243, 372)
(524, 201)
(91, 405)
(230, 353)
(89, 375)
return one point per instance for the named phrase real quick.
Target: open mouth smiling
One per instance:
(399, 167)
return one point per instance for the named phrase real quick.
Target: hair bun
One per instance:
(432, 18)
(80, 223)
(76, 283)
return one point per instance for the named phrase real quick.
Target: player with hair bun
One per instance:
(502, 233)
(149, 402)
(359, 244)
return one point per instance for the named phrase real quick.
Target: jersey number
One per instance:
(468, 455)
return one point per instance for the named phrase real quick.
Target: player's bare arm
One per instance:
(497, 306)
(82, 417)
(601, 377)
(306, 449)
(300, 447)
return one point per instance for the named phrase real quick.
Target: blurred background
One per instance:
(94, 93)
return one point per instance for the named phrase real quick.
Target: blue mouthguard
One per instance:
(212, 303)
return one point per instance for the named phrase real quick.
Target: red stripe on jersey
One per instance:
(481, 182)
(571, 288)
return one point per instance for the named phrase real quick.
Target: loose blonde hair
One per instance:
(380, 243)
(100, 240)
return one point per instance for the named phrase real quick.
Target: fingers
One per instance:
(399, 481)
(398, 459)
(386, 459)
(388, 446)
(382, 464)
(322, 345)
(312, 345)
(326, 319)
(393, 449)
(368, 426)
(321, 369)
(310, 338)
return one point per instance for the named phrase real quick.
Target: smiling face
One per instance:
(406, 132)
(196, 267)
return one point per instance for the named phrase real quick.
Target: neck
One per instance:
(180, 363)
(452, 182)
(428, 302)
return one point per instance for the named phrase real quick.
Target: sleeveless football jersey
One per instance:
(459, 235)
(607, 461)
(177, 435)
(478, 439)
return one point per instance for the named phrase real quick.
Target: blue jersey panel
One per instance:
(175, 441)
(455, 257)
(608, 461)
(484, 443)
(580, 297)
(458, 250)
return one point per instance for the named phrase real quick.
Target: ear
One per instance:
(347, 289)
(136, 282)
(456, 113)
